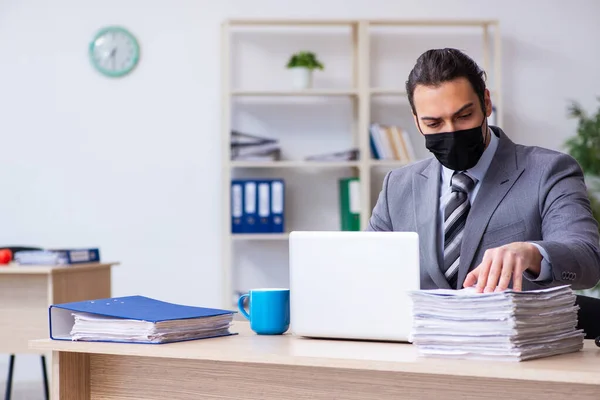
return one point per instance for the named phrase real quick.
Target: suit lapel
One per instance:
(502, 174)
(426, 205)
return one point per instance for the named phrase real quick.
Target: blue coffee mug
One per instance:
(269, 310)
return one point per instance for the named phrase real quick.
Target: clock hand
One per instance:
(113, 55)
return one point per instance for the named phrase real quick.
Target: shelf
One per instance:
(294, 164)
(434, 23)
(388, 163)
(387, 92)
(260, 236)
(294, 93)
(291, 22)
(374, 22)
(401, 92)
(314, 164)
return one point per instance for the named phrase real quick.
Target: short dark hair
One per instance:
(437, 66)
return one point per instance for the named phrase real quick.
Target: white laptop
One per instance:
(353, 285)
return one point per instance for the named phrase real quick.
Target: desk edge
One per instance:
(52, 269)
(571, 377)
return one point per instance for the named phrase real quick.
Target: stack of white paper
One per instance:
(91, 327)
(508, 325)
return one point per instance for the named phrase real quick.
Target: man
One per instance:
(490, 213)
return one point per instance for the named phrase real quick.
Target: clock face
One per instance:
(114, 51)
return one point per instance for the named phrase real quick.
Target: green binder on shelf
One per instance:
(349, 189)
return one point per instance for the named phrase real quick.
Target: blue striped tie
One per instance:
(456, 211)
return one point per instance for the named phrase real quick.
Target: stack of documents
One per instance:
(508, 325)
(246, 147)
(57, 256)
(346, 155)
(136, 319)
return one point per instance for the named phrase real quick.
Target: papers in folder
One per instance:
(508, 326)
(136, 319)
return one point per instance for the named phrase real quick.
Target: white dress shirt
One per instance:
(478, 172)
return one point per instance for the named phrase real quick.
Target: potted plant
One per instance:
(302, 65)
(585, 148)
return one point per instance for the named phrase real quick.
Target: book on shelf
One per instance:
(136, 319)
(349, 199)
(389, 142)
(505, 326)
(257, 206)
(239, 138)
(271, 154)
(347, 155)
(247, 147)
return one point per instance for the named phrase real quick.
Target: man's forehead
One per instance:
(443, 99)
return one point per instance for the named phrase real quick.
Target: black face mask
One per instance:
(458, 150)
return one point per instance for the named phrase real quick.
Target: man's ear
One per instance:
(487, 101)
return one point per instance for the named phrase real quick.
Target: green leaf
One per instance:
(305, 59)
(585, 146)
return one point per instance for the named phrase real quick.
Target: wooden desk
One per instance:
(26, 292)
(248, 366)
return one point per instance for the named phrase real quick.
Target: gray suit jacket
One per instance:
(528, 194)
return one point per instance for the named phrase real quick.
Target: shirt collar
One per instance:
(479, 170)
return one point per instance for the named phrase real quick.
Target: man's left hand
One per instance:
(501, 264)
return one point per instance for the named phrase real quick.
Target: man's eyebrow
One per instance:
(463, 108)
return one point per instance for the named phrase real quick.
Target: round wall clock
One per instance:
(114, 51)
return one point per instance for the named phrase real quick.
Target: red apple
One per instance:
(5, 256)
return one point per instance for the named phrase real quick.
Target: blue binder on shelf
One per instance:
(136, 319)
(264, 206)
(250, 206)
(373, 145)
(257, 206)
(277, 206)
(237, 206)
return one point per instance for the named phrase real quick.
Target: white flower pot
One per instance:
(301, 78)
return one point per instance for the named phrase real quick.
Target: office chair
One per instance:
(589, 317)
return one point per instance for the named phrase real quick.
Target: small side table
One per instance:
(26, 292)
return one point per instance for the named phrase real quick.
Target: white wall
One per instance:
(132, 165)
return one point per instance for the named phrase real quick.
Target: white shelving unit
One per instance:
(361, 94)
(312, 92)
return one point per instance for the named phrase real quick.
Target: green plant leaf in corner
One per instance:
(585, 148)
(585, 145)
